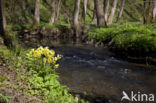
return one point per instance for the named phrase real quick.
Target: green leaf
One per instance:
(2, 79)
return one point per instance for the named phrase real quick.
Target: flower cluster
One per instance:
(48, 56)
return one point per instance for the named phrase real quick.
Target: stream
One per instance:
(96, 74)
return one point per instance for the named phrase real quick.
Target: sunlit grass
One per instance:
(127, 36)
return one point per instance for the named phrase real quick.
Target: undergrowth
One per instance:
(127, 36)
(2, 97)
(35, 70)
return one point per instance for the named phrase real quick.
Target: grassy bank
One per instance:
(31, 77)
(129, 37)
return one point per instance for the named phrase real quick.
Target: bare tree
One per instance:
(94, 20)
(9, 39)
(148, 11)
(144, 11)
(58, 9)
(111, 16)
(37, 12)
(154, 10)
(84, 10)
(100, 13)
(2, 19)
(53, 12)
(106, 8)
(121, 11)
(76, 17)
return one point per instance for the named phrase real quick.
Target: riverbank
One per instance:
(22, 81)
(133, 38)
(133, 41)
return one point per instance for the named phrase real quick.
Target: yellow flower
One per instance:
(47, 55)
(58, 56)
(52, 52)
(55, 59)
(56, 65)
(49, 60)
(31, 52)
(44, 60)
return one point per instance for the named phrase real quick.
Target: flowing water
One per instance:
(97, 73)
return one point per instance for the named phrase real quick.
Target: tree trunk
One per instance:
(111, 16)
(58, 10)
(76, 17)
(154, 11)
(106, 8)
(144, 11)
(94, 20)
(84, 10)
(100, 13)
(9, 39)
(2, 19)
(53, 12)
(37, 12)
(149, 12)
(121, 11)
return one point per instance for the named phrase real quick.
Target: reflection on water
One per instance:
(97, 73)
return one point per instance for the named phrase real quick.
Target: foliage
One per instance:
(2, 97)
(127, 36)
(42, 64)
(21, 12)
(44, 60)
(48, 26)
(2, 79)
(14, 27)
(37, 74)
(52, 91)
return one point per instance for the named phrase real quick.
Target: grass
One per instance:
(48, 26)
(15, 27)
(127, 36)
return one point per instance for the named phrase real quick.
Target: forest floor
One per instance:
(11, 92)
(11, 89)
